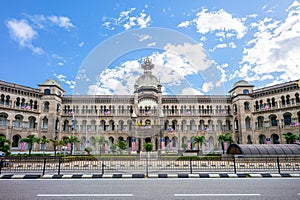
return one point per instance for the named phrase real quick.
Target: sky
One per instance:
(197, 47)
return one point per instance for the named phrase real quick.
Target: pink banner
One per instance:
(171, 145)
(68, 147)
(225, 146)
(105, 147)
(23, 146)
(162, 142)
(189, 146)
(133, 144)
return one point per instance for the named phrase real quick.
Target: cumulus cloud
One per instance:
(274, 51)
(128, 19)
(219, 21)
(63, 79)
(184, 24)
(23, 33)
(172, 67)
(62, 21)
(191, 91)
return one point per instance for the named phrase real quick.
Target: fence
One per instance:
(61, 165)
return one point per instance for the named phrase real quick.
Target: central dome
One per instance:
(147, 79)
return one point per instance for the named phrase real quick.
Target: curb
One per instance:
(140, 176)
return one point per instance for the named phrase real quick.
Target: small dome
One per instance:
(52, 82)
(147, 80)
(241, 83)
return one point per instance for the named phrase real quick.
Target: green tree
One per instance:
(72, 140)
(148, 146)
(56, 143)
(100, 140)
(184, 146)
(122, 145)
(4, 145)
(199, 140)
(225, 137)
(290, 138)
(30, 140)
(43, 141)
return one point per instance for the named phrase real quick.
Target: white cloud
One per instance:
(219, 21)
(61, 21)
(183, 24)
(274, 51)
(81, 44)
(21, 32)
(191, 91)
(152, 44)
(144, 37)
(207, 86)
(60, 64)
(193, 53)
(128, 20)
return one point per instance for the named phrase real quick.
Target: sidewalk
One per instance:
(109, 176)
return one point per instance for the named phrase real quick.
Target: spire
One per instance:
(147, 65)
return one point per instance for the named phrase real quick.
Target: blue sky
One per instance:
(198, 47)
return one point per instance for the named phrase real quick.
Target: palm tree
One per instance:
(42, 141)
(290, 138)
(30, 140)
(4, 145)
(72, 140)
(100, 140)
(56, 143)
(225, 137)
(199, 140)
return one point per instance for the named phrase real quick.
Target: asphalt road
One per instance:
(206, 188)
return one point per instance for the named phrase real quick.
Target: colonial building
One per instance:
(252, 116)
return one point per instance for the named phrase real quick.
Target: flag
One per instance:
(162, 142)
(23, 146)
(28, 108)
(133, 144)
(87, 143)
(189, 145)
(268, 140)
(68, 146)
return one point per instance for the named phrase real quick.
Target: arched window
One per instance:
(3, 119)
(18, 123)
(46, 106)
(245, 91)
(273, 120)
(247, 106)
(32, 123)
(262, 139)
(15, 141)
(287, 117)
(45, 123)
(297, 98)
(184, 125)
(288, 99)
(46, 91)
(282, 100)
(248, 122)
(260, 122)
(234, 108)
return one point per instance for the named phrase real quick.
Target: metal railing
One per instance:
(131, 165)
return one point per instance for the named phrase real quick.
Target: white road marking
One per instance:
(84, 195)
(213, 195)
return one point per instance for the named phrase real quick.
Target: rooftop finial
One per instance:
(147, 65)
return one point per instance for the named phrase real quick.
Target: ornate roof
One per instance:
(147, 79)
